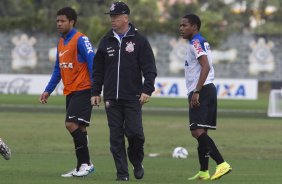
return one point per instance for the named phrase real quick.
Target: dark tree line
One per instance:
(219, 19)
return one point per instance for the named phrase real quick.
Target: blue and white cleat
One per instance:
(84, 170)
(69, 174)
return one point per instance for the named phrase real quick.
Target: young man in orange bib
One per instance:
(74, 66)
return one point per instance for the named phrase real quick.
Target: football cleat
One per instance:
(84, 170)
(69, 174)
(201, 175)
(139, 172)
(122, 179)
(4, 150)
(221, 170)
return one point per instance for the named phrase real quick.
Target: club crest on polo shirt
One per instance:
(129, 47)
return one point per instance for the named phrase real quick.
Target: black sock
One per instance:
(87, 142)
(81, 148)
(86, 135)
(207, 142)
(203, 154)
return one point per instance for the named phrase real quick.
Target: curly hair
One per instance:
(69, 12)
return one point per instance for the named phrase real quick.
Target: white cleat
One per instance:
(69, 174)
(4, 150)
(84, 170)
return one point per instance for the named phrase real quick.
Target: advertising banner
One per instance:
(226, 88)
(168, 87)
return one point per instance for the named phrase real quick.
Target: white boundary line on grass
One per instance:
(159, 109)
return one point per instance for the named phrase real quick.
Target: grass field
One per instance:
(42, 149)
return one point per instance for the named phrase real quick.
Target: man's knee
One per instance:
(71, 126)
(138, 139)
(197, 133)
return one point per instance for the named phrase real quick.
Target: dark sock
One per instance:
(87, 142)
(81, 148)
(207, 142)
(86, 135)
(203, 155)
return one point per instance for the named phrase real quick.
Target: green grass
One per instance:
(259, 104)
(42, 149)
(45, 169)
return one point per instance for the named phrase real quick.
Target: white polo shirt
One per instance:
(197, 47)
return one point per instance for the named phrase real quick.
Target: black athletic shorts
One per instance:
(78, 106)
(204, 116)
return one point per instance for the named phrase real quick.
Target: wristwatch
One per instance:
(196, 90)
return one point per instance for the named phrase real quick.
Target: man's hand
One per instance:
(144, 98)
(95, 100)
(195, 100)
(44, 97)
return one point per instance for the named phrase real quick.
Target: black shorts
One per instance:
(204, 116)
(78, 106)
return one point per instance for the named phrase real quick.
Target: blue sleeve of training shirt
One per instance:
(86, 53)
(55, 79)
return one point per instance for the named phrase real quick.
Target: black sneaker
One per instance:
(139, 172)
(122, 178)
